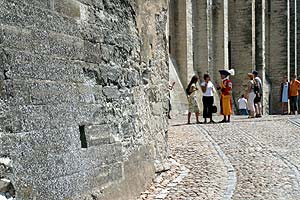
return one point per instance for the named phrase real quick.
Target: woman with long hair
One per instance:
(192, 98)
(251, 95)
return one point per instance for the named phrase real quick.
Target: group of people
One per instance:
(209, 90)
(251, 103)
(290, 91)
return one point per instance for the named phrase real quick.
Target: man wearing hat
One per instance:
(259, 93)
(226, 101)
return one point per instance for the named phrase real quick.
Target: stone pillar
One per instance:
(293, 36)
(209, 12)
(260, 56)
(242, 39)
(200, 44)
(276, 50)
(189, 41)
(298, 36)
(226, 34)
(289, 37)
(219, 35)
(181, 36)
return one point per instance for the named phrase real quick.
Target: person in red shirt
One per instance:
(293, 94)
(226, 101)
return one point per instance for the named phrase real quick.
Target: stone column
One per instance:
(295, 21)
(219, 35)
(209, 12)
(200, 30)
(189, 41)
(226, 34)
(261, 57)
(182, 39)
(293, 35)
(288, 38)
(298, 35)
(242, 37)
(276, 50)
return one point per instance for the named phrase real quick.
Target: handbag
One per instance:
(214, 109)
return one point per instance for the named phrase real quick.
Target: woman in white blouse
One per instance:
(208, 98)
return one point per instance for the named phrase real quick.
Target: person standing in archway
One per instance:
(226, 101)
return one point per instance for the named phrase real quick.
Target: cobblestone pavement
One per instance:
(246, 159)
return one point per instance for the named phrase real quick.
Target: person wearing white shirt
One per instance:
(208, 98)
(243, 105)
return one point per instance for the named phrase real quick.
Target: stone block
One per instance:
(70, 8)
(66, 47)
(111, 92)
(93, 52)
(100, 134)
(17, 92)
(5, 185)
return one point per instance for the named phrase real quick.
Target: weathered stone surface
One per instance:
(78, 81)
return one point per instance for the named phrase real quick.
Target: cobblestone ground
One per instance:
(246, 159)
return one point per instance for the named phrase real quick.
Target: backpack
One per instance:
(256, 87)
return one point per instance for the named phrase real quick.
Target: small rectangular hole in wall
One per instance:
(83, 137)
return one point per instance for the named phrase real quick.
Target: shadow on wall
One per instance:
(178, 96)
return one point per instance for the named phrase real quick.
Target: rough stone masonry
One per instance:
(83, 97)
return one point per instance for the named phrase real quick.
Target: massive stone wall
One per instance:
(181, 38)
(276, 62)
(218, 33)
(200, 31)
(83, 96)
(240, 32)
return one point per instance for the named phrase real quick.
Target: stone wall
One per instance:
(240, 33)
(83, 96)
(276, 63)
(218, 37)
(181, 37)
(200, 41)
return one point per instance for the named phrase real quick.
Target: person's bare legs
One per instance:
(256, 109)
(197, 117)
(259, 108)
(228, 118)
(189, 117)
(284, 109)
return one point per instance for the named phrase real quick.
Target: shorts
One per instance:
(257, 99)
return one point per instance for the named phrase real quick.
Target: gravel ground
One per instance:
(246, 159)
